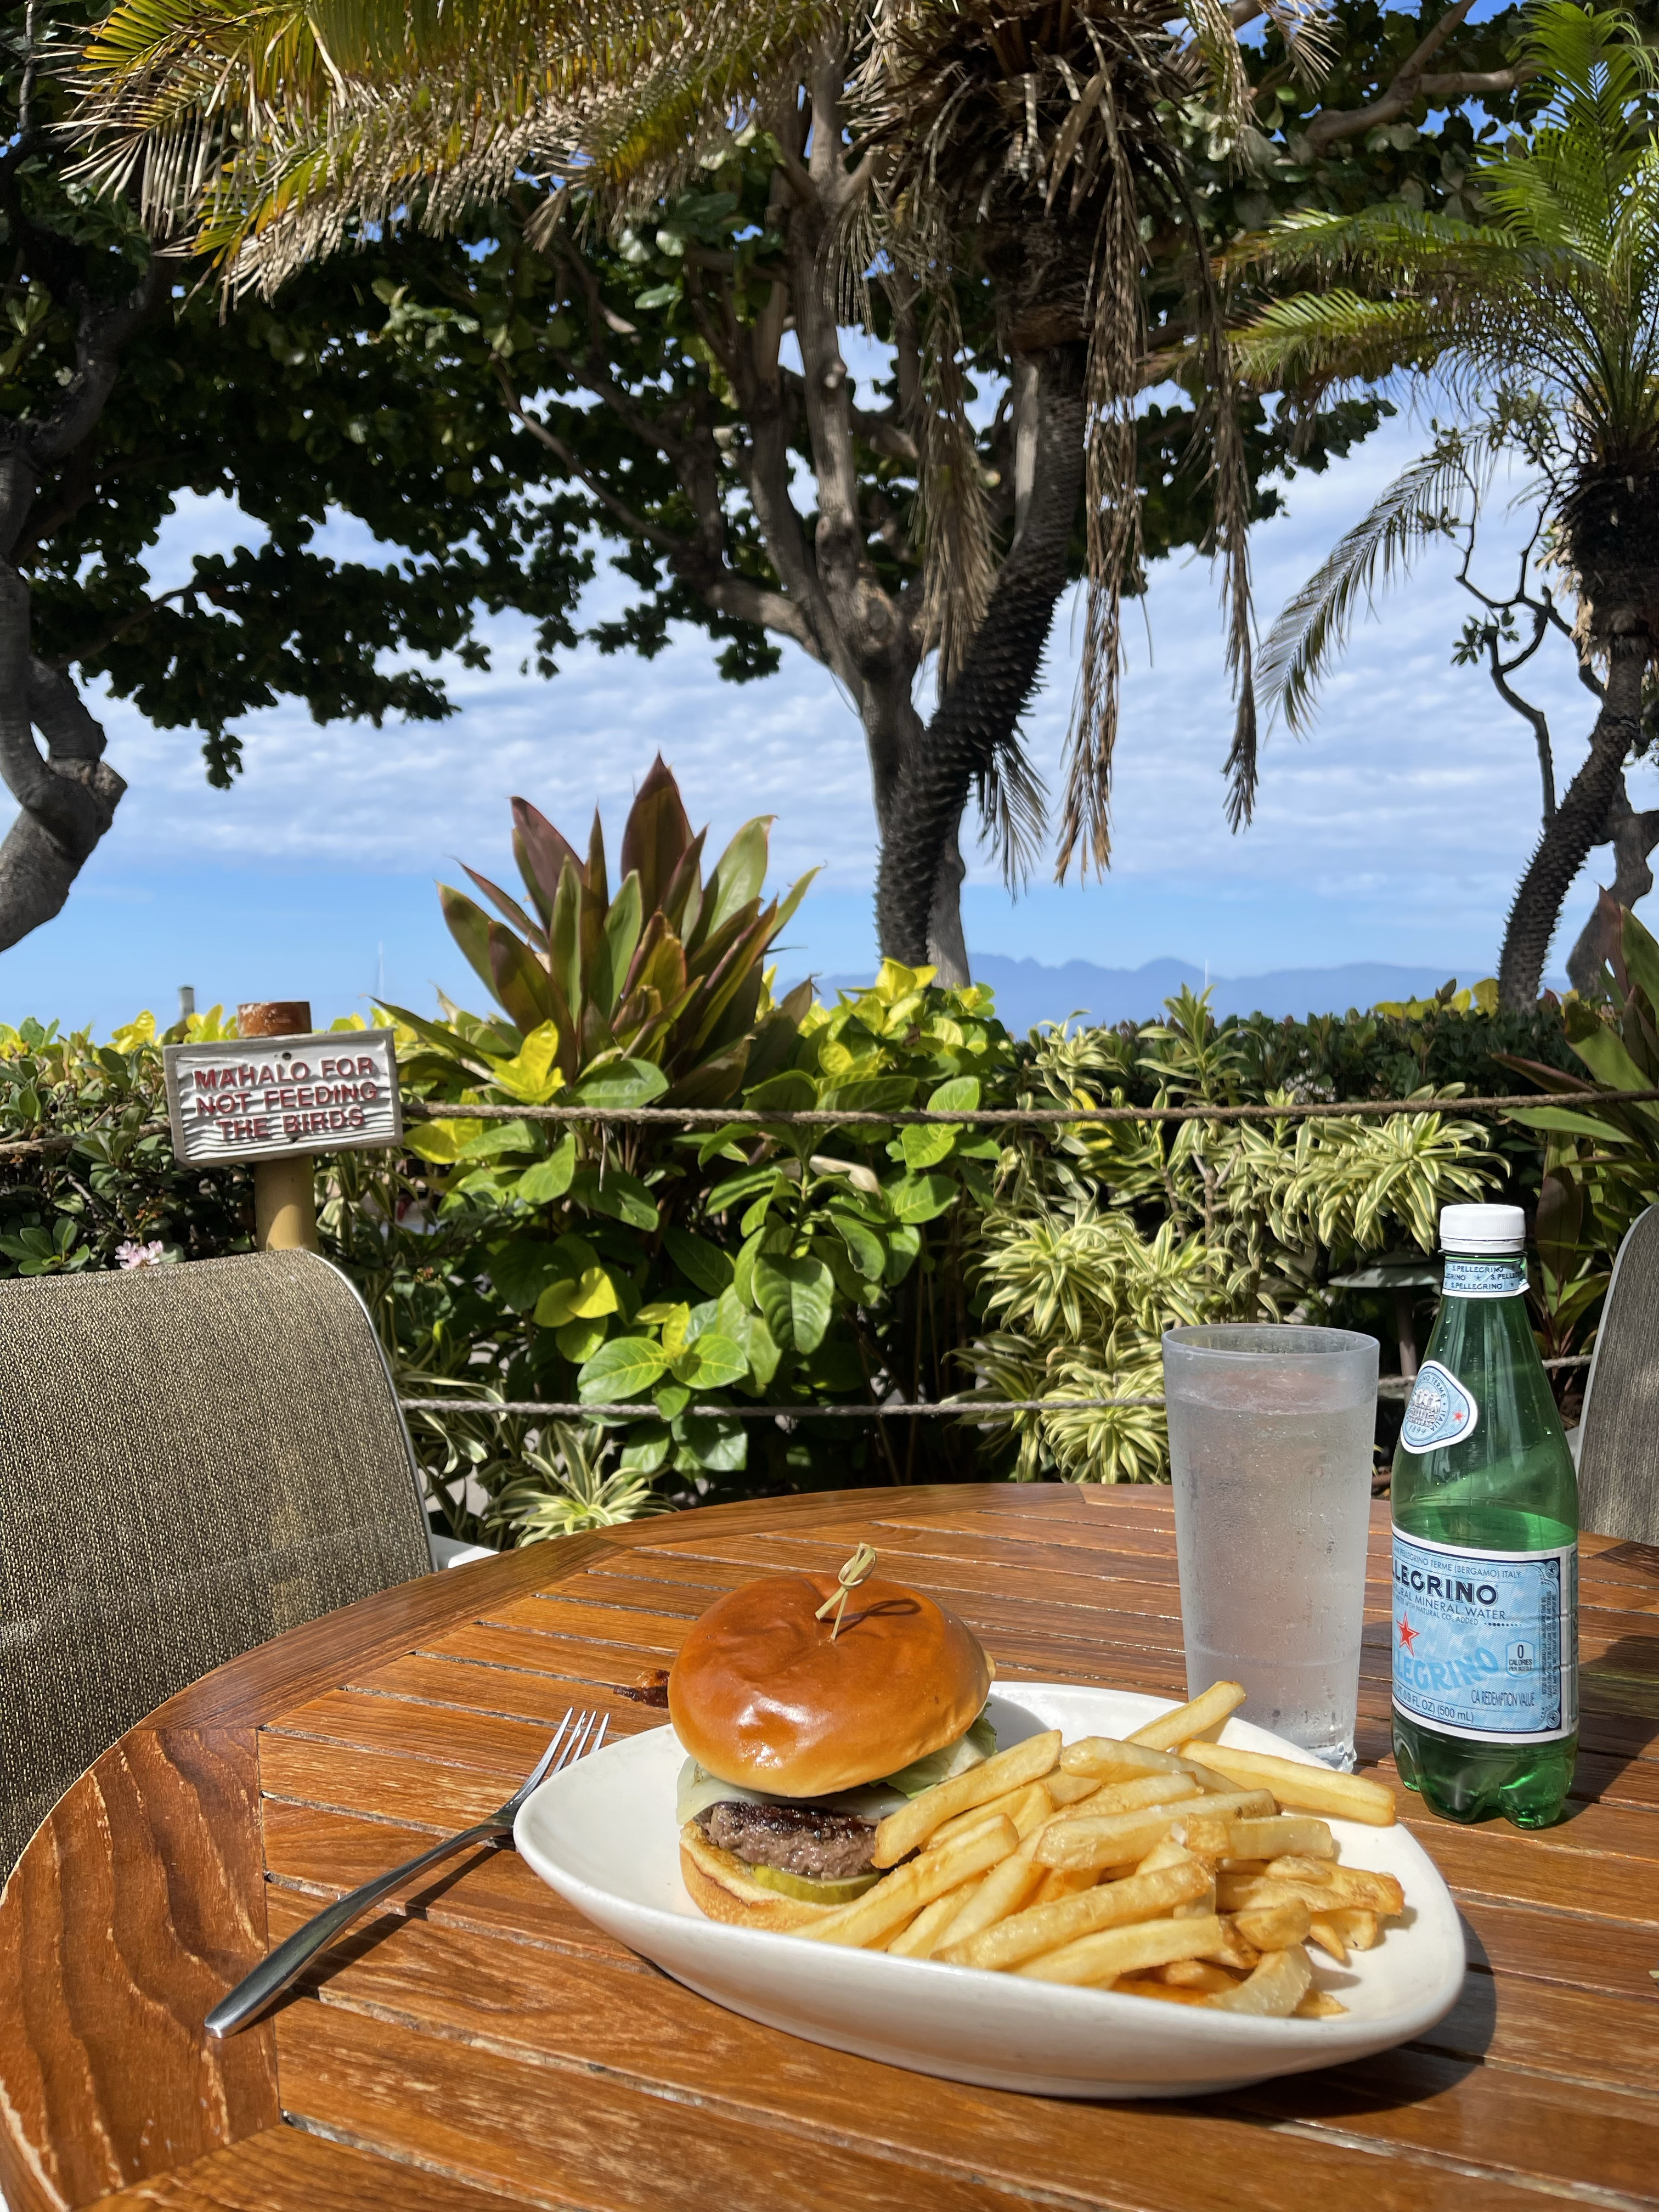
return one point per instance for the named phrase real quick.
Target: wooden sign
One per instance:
(261, 1099)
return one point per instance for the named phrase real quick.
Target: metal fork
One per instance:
(279, 1967)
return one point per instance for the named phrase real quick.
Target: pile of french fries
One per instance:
(1163, 1865)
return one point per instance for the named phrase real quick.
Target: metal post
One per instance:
(284, 1201)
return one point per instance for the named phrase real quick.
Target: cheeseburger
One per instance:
(801, 1733)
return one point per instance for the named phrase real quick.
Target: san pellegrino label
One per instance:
(1439, 1412)
(1485, 1279)
(1485, 1643)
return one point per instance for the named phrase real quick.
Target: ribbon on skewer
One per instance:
(858, 1569)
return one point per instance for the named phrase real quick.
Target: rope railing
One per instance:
(992, 1117)
(736, 1117)
(982, 1408)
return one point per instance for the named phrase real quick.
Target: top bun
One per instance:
(762, 1696)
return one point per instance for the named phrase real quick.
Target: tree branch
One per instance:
(724, 590)
(1413, 81)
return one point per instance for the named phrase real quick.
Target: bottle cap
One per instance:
(1482, 1229)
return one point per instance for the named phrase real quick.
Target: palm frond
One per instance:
(1424, 503)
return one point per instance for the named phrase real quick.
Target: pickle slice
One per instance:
(807, 1888)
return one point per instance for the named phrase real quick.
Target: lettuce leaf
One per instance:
(972, 1749)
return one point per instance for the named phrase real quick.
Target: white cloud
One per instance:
(1397, 831)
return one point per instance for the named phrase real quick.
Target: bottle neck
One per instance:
(1485, 1276)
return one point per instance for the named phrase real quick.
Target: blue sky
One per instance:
(1396, 832)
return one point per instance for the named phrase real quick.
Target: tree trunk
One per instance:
(1580, 822)
(1633, 836)
(67, 800)
(980, 711)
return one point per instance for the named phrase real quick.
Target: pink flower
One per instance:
(153, 1255)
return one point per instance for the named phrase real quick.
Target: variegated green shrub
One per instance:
(1112, 1233)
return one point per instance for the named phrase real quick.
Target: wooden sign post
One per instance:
(276, 1094)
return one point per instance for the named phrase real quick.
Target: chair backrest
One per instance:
(192, 1459)
(1619, 1452)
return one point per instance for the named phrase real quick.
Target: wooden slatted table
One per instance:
(490, 2048)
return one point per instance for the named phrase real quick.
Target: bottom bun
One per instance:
(721, 1887)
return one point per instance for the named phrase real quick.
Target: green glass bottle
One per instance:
(1486, 1548)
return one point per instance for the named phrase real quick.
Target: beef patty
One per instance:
(795, 1839)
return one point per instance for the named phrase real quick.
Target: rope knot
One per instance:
(857, 1570)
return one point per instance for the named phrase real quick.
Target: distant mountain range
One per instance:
(1028, 993)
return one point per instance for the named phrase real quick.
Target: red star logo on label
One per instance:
(1408, 1635)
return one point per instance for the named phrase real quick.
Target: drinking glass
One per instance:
(1270, 1449)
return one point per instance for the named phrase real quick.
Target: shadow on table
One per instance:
(356, 1942)
(1436, 2062)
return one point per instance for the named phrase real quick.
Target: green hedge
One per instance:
(811, 1269)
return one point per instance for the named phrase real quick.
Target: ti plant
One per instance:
(668, 974)
(1600, 1161)
(1116, 1232)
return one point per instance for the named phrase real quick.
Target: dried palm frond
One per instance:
(1035, 135)
(271, 131)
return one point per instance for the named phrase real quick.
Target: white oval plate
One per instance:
(602, 1833)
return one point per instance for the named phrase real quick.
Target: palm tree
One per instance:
(1542, 321)
(925, 144)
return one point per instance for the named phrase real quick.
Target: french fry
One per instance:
(1167, 1854)
(1071, 1881)
(1145, 1986)
(1285, 1836)
(1129, 1796)
(1068, 1789)
(1196, 1974)
(1232, 1805)
(1025, 1807)
(1322, 1930)
(1334, 1932)
(1207, 1837)
(1318, 2004)
(1309, 1788)
(1177, 1730)
(1273, 1927)
(1273, 1991)
(1004, 1890)
(1296, 1866)
(1348, 1886)
(1043, 1928)
(920, 1938)
(901, 1833)
(1084, 1838)
(1113, 1951)
(1111, 1758)
(893, 1901)
(1075, 1841)
(1231, 1950)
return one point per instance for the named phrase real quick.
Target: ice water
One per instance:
(1486, 1534)
(1271, 1456)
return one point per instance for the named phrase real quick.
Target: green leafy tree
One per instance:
(1542, 318)
(1023, 202)
(123, 387)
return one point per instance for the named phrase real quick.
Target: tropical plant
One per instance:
(568, 1486)
(685, 1274)
(1542, 320)
(1017, 198)
(1601, 1166)
(1119, 1230)
(664, 982)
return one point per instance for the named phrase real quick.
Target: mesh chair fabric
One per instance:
(1619, 1454)
(193, 1460)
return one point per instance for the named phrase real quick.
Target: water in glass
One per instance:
(1270, 1446)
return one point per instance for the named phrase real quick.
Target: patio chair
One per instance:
(193, 1460)
(1618, 1435)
